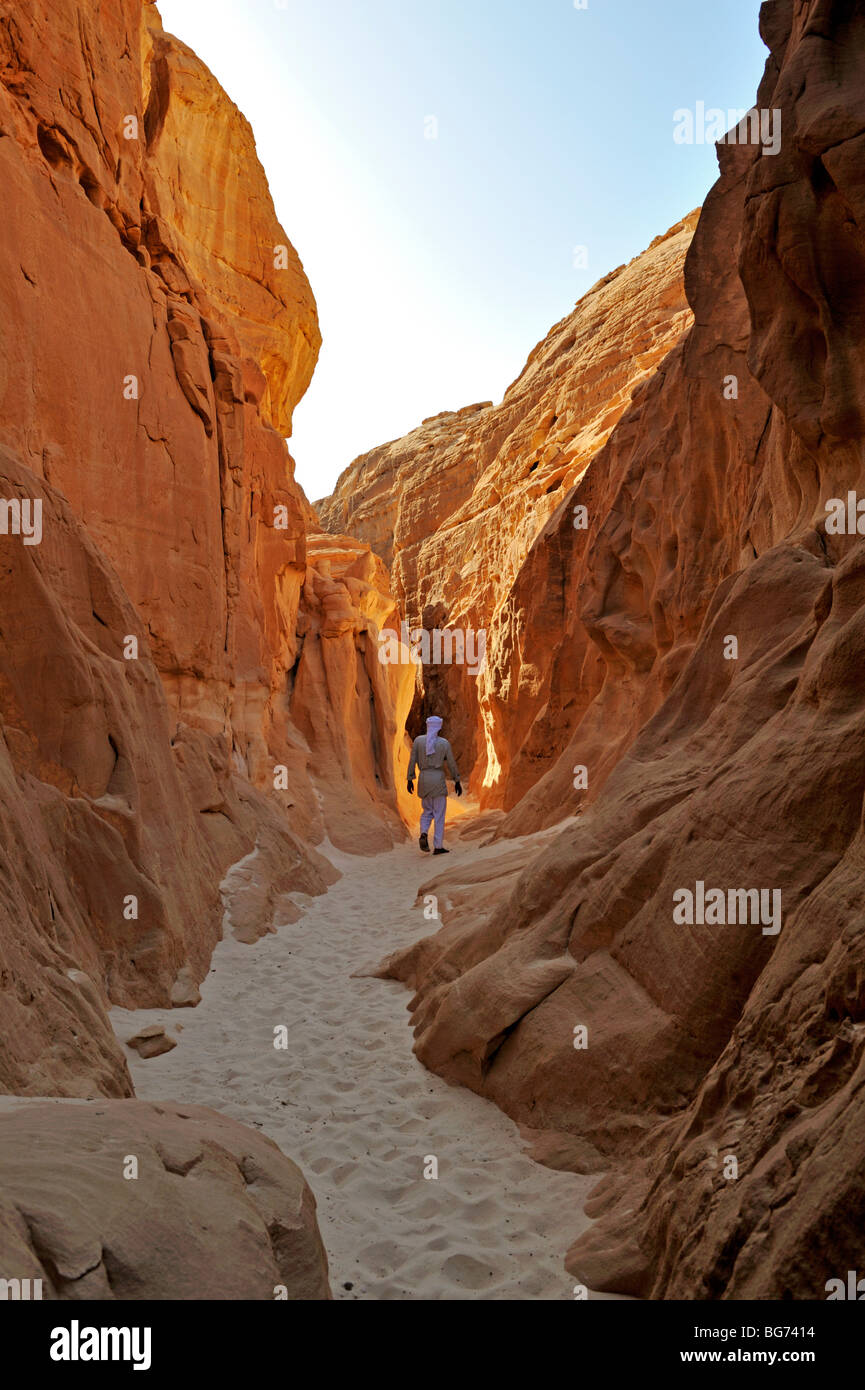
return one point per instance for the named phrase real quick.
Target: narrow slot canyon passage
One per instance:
(593, 593)
(356, 1109)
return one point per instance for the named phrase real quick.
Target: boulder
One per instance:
(130, 1200)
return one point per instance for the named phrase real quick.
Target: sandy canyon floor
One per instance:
(351, 1104)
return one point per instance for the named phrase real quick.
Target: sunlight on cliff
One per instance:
(494, 767)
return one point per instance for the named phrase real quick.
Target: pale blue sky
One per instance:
(438, 264)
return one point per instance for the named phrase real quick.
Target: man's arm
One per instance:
(451, 762)
(412, 767)
(452, 768)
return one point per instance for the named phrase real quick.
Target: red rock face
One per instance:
(708, 522)
(460, 506)
(118, 822)
(129, 382)
(157, 331)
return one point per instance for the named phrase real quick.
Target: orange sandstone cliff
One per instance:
(708, 671)
(186, 678)
(458, 507)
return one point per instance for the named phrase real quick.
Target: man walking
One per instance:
(431, 754)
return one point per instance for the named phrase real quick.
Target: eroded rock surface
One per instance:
(131, 1200)
(170, 667)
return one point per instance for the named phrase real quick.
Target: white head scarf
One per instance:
(433, 725)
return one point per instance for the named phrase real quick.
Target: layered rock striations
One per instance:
(178, 665)
(709, 671)
(459, 506)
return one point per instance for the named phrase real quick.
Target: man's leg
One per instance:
(428, 804)
(440, 805)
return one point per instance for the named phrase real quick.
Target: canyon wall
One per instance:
(715, 634)
(181, 657)
(460, 507)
